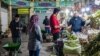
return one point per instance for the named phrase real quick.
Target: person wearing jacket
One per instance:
(46, 22)
(76, 23)
(35, 36)
(16, 28)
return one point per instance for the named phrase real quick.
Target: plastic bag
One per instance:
(72, 46)
(72, 50)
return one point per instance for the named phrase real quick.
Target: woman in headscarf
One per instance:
(35, 37)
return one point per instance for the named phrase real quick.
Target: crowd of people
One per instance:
(52, 26)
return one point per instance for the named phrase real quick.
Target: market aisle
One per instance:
(24, 47)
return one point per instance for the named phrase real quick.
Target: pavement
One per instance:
(25, 50)
(44, 51)
(23, 47)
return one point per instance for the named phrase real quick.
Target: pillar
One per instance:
(9, 12)
(57, 3)
(0, 15)
(31, 8)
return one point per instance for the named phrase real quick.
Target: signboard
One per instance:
(18, 3)
(66, 3)
(23, 11)
(42, 10)
(44, 4)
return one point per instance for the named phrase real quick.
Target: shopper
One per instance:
(16, 28)
(46, 22)
(35, 37)
(76, 23)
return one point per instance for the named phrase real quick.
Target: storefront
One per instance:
(4, 17)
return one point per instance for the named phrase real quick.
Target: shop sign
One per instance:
(23, 11)
(44, 4)
(66, 3)
(18, 3)
(22, 3)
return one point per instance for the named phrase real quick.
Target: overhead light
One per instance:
(67, 11)
(83, 10)
(87, 9)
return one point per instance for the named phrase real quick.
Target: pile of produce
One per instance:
(94, 47)
(97, 14)
(95, 19)
(71, 45)
(71, 37)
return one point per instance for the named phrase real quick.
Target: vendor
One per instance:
(76, 23)
(55, 30)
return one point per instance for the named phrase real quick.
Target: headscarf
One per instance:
(33, 22)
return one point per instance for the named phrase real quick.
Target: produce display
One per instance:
(93, 31)
(72, 50)
(95, 19)
(94, 47)
(71, 37)
(97, 14)
(71, 45)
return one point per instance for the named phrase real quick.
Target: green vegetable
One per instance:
(71, 37)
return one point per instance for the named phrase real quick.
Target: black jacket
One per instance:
(13, 25)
